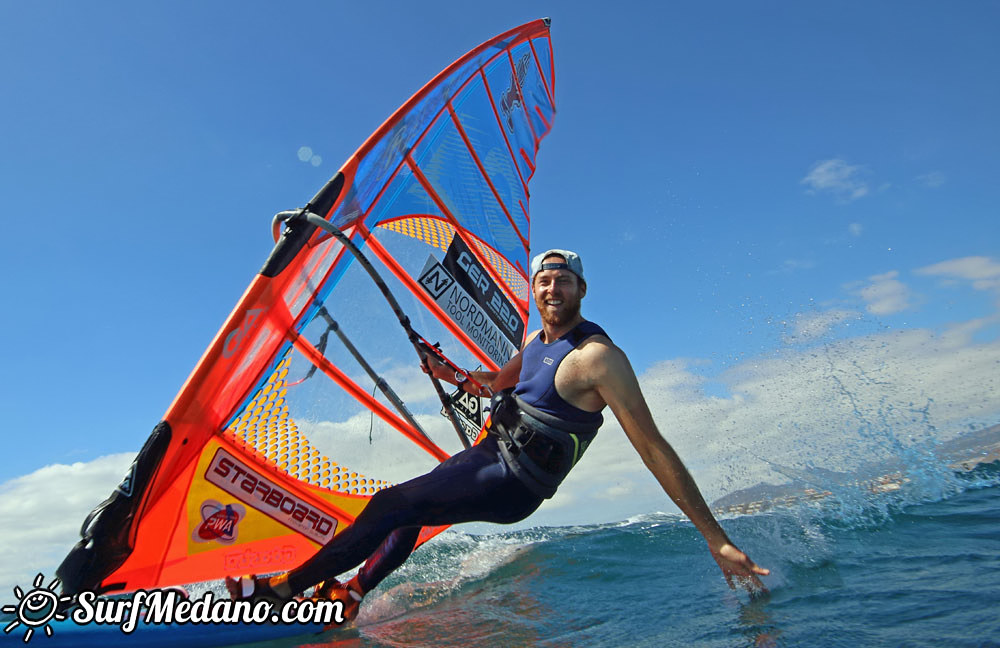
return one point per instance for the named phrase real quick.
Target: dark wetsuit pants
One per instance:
(474, 485)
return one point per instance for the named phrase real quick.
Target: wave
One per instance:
(648, 580)
(456, 559)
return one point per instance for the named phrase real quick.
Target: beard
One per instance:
(569, 311)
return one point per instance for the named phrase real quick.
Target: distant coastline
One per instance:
(962, 453)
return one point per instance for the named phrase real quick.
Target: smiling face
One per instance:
(557, 295)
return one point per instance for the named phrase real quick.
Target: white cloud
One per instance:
(932, 180)
(807, 327)
(42, 513)
(855, 229)
(398, 459)
(884, 294)
(837, 177)
(959, 335)
(982, 272)
(840, 406)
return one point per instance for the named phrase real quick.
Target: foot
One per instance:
(349, 594)
(254, 588)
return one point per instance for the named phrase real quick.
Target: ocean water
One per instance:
(915, 566)
(913, 562)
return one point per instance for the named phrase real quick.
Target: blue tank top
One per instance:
(539, 362)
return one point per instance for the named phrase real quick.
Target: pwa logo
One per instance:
(219, 522)
(238, 335)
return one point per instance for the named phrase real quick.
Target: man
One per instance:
(563, 377)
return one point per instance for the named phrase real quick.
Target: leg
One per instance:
(473, 485)
(389, 556)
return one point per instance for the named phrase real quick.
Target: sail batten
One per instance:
(272, 447)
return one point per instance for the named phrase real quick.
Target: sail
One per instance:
(310, 398)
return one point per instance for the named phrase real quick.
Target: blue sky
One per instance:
(749, 184)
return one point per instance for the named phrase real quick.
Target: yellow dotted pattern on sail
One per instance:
(439, 233)
(264, 426)
(433, 231)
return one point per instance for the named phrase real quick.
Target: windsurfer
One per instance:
(545, 413)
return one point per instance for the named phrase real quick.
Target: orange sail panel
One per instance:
(293, 417)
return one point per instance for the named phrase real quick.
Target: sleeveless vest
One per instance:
(541, 435)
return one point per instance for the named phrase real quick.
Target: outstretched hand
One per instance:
(739, 569)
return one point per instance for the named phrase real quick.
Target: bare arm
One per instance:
(617, 384)
(494, 380)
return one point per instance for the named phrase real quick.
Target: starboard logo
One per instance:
(511, 97)
(219, 522)
(253, 489)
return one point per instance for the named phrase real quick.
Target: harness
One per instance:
(539, 448)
